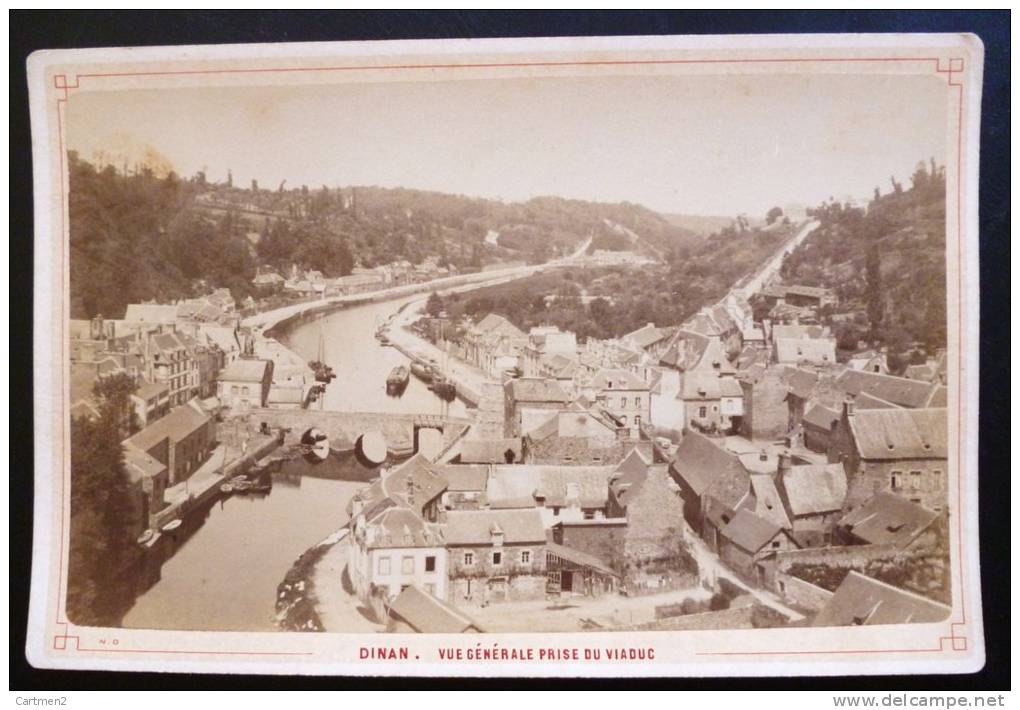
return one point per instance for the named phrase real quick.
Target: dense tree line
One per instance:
(611, 301)
(887, 261)
(138, 236)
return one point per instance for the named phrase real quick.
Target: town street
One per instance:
(771, 267)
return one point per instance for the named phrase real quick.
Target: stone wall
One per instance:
(602, 539)
(344, 428)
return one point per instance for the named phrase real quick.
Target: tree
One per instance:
(103, 524)
(114, 393)
(876, 297)
(773, 214)
(434, 306)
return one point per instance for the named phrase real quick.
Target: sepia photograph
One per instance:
(626, 353)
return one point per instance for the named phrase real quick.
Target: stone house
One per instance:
(395, 538)
(149, 480)
(495, 555)
(245, 384)
(817, 425)
(710, 403)
(526, 403)
(765, 406)
(903, 451)
(182, 441)
(543, 341)
(559, 493)
(888, 519)
(649, 499)
(625, 396)
(713, 484)
(576, 436)
(748, 540)
(813, 497)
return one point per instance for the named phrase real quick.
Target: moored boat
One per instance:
(422, 372)
(398, 377)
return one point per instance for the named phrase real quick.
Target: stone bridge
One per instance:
(344, 428)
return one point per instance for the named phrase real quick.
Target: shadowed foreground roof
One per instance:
(864, 601)
(428, 615)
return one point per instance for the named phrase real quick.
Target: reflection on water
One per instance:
(362, 363)
(220, 569)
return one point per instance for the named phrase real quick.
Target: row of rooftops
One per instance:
(393, 510)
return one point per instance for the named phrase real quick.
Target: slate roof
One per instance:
(464, 477)
(749, 532)
(768, 504)
(813, 350)
(398, 526)
(708, 385)
(476, 527)
(821, 417)
(685, 351)
(898, 390)
(798, 332)
(179, 423)
(709, 470)
(800, 383)
(809, 291)
(520, 486)
(573, 424)
(579, 558)
(427, 614)
(647, 335)
(244, 371)
(147, 390)
(865, 601)
(815, 488)
(489, 450)
(614, 379)
(888, 518)
(151, 312)
(900, 433)
(536, 389)
(413, 483)
(140, 465)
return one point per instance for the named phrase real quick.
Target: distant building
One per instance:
(245, 384)
(625, 396)
(524, 400)
(710, 403)
(888, 519)
(813, 497)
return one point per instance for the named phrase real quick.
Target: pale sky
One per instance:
(710, 145)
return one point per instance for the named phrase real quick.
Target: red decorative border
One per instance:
(953, 67)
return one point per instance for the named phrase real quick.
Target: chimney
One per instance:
(848, 405)
(785, 462)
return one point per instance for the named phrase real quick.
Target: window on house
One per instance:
(469, 559)
(637, 401)
(775, 543)
(589, 515)
(936, 479)
(702, 412)
(623, 420)
(556, 510)
(896, 480)
(915, 480)
(623, 402)
(525, 557)
(430, 563)
(384, 565)
(637, 420)
(497, 558)
(407, 565)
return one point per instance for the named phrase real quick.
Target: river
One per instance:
(220, 570)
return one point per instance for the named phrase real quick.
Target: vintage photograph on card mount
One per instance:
(590, 357)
